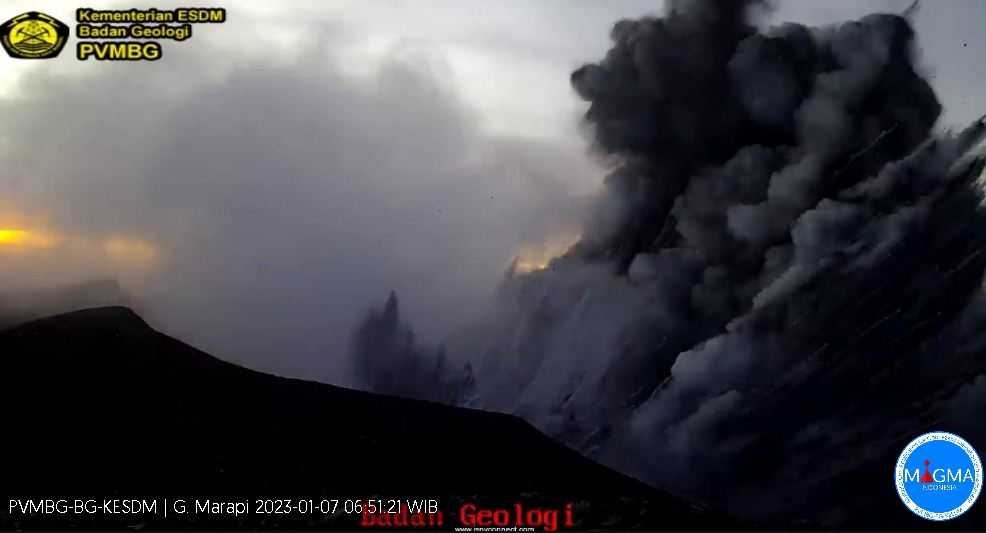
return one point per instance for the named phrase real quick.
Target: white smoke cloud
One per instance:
(255, 202)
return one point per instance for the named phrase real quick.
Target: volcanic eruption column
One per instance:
(782, 249)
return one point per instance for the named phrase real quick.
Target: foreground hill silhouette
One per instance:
(18, 307)
(99, 405)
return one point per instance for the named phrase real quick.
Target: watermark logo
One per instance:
(33, 35)
(939, 476)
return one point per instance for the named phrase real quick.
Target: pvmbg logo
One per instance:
(33, 35)
(939, 476)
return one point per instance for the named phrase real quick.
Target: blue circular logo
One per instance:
(939, 476)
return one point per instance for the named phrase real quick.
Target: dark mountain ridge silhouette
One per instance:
(18, 307)
(99, 405)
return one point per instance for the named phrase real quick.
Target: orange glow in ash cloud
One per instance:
(131, 252)
(531, 257)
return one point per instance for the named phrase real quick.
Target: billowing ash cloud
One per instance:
(252, 202)
(782, 280)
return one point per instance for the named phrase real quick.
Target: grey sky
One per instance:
(271, 177)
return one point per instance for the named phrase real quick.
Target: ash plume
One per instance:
(258, 236)
(784, 251)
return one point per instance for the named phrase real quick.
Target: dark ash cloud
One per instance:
(784, 247)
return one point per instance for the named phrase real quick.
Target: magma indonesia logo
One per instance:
(939, 476)
(33, 35)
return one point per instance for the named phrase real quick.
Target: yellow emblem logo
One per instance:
(33, 35)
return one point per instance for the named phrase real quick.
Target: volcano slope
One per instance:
(99, 405)
(779, 285)
(22, 306)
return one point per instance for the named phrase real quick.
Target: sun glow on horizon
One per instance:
(47, 249)
(22, 239)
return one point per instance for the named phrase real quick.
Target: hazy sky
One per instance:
(268, 179)
(511, 59)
